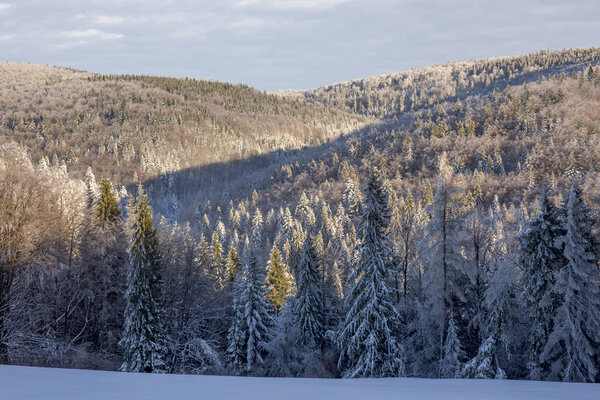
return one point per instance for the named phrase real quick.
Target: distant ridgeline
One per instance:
(390, 95)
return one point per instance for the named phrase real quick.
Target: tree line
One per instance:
(440, 285)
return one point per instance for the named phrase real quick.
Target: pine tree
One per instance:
(453, 354)
(250, 330)
(91, 187)
(368, 336)
(143, 341)
(257, 318)
(218, 263)
(308, 301)
(572, 347)
(108, 205)
(540, 257)
(485, 364)
(237, 335)
(232, 264)
(280, 283)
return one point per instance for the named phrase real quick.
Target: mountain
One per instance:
(447, 162)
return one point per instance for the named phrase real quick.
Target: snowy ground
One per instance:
(25, 383)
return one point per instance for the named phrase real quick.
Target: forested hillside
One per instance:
(339, 232)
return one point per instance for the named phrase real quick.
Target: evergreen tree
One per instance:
(108, 205)
(540, 257)
(280, 283)
(572, 347)
(257, 320)
(237, 335)
(143, 341)
(308, 301)
(485, 364)
(368, 336)
(218, 263)
(91, 187)
(453, 354)
(232, 264)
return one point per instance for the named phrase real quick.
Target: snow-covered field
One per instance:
(25, 383)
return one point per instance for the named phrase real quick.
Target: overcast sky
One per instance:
(285, 44)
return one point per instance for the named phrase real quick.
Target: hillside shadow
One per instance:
(176, 194)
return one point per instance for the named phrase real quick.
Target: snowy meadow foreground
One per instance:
(27, 383)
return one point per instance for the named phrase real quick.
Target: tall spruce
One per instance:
(572, 348)
(452, 360)
(540, 257)
(368, 337)
(308, 304)
(143, 342)
(280, 283)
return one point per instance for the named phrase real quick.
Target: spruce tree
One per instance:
(218, 263)
(280, 283)
(257, 319)
(232, 264)
(308, 304)
(539, 257)
(572, 347)
(143, 341)
(485, 364)
(236, 335)
(453, 354)
(108, 205)
(368, 339)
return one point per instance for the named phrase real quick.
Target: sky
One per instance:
(285, 44)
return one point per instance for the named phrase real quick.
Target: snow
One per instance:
(29, 383)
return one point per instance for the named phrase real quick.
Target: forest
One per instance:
(440, 222)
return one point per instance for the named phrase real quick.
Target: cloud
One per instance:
(4, 7)
(6, 37)
(86, 36)
(290, 6)
(102, 20)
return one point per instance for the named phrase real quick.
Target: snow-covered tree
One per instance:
(453, 354)
(368, 337)
(572, 348)
(280, 283)
(485, 364)
(540, 257)
(143, 341)
(103, 255)
(445, 274)
(308, 304)
(237, 333)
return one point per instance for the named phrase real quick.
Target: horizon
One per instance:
(285, 45)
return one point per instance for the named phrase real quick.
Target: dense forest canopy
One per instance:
(440, 222)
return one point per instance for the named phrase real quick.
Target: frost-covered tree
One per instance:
(102, 255)
(572, 348)
(308, 304)
(143, 341)
(445, 274)
(540, 257)
(232, 264)
(237, 333)
(453, 354)
(368, 337)
(485, 364)
(280, 283)
(257, 320)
